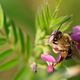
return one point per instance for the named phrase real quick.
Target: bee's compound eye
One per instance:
(59, 35)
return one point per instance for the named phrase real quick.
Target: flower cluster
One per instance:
(51, 61)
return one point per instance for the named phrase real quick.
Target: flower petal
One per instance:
(48, 58)
(76, 36)
(50, 68)
(58, 58)
(76, 29)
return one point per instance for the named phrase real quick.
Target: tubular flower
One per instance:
(50, 61)
(76, 35)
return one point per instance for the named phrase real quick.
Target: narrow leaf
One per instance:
(44, 20)
(1, 17)
(6, 25)
(63, 20)
(39, 21)
(28, 47)
(8, 65)
(43, 17)
(48, 14)
(22, 40)
(65, 27)
(55, 23)
(5, 54)
(14, 32)
(59, 21)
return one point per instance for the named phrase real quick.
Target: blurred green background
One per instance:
(23, 13)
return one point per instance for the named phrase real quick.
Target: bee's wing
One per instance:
(75, 52)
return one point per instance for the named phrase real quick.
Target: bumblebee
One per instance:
(63, 44)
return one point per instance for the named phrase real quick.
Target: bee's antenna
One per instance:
(59, 27)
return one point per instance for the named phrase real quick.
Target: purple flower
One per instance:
(76, 29)
(76, 34)
(50, 61)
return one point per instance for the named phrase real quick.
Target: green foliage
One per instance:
(1, 17)
(14, 32)
(55, 23)
(47, 22)
(5, 54)
(20, 74)
(28, 47)
(6, 25)
(8, 65)
(21, 37)
(2, 41)
(12, 37)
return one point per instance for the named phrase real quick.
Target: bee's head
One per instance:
(55, 36)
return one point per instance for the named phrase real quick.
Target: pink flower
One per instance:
(50, 69)
(48, 58)
(50, 61)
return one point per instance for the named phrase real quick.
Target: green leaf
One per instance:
(21, 74)
(6, 25)
(60, 21)
(8, 65)
(43, 17)
(5, 54)
(2, 41)
(14, 32)
(40, 34)
(65, 27)
(39, 21)
(28, 47)
(48, 14)
(1, 17)
(65, 19)
(22, 42)
(55, 23)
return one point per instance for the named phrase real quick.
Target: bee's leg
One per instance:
(70, 51)
(69, 55)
